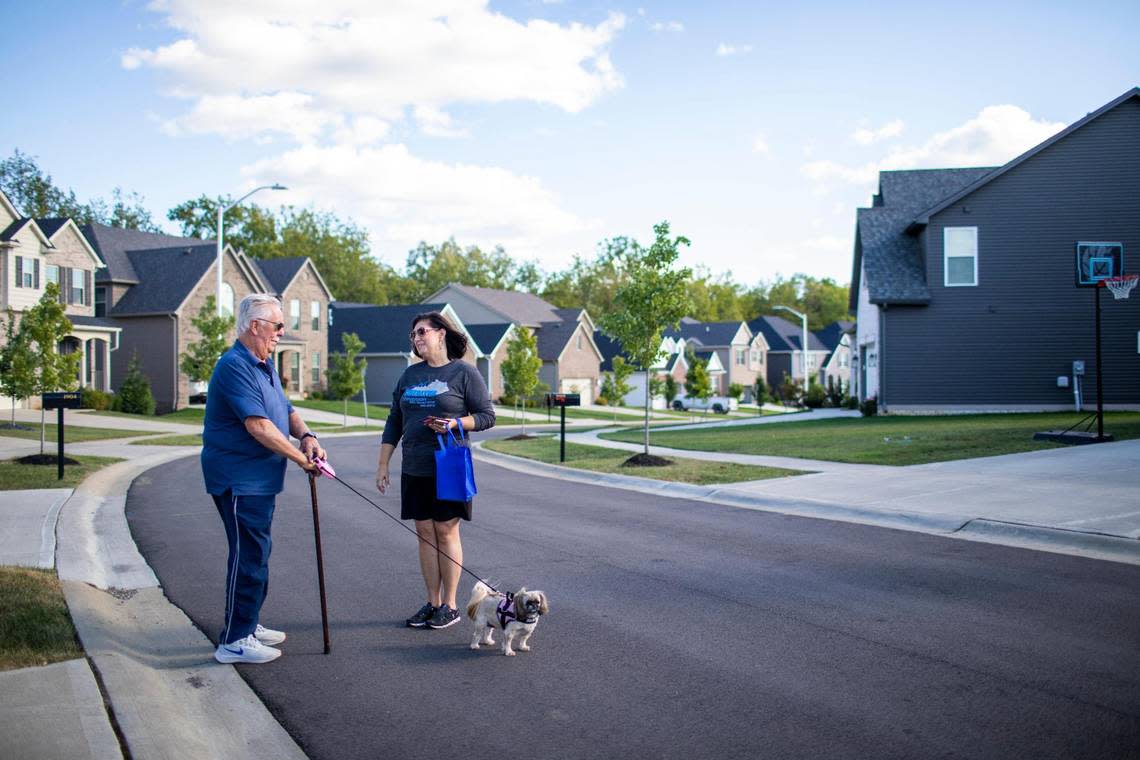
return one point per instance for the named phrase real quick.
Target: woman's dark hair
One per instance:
(455, 340)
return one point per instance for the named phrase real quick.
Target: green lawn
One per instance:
(72, 433)
(598, 459)
(19, 477)
(189, 439)
(355, 408)
(35, 628)
(890, 440)
(187, 416)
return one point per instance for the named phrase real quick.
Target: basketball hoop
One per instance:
(1121, 287)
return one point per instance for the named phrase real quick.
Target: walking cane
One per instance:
(325, 469)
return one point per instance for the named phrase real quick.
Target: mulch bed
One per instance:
(44, 459)
(646, 460)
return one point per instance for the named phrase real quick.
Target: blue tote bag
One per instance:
(454, 474)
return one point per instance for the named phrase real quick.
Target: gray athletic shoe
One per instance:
(444, 617)
(421, 618)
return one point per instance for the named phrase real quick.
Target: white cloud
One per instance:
(725, 50)
(865, 136)
(402, 199)
(994, 137)
(238, 118)
(364, 130)
(760, 144)
(667, 26)
(436, 123)
(360, 58)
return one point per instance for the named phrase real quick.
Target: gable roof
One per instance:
(278, 273)
(15, 227)
(52, 227)
(609, 348)
(384, 329)
(112, 244)
(514, 306)
(924, 217)
(890, 258)
(833, 333)
(783, 336)
(165, 277)
(488, 336)
(706, 333)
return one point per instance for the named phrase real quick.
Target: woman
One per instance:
(432, 397)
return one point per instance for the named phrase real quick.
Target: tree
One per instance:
(520, 368)
(45, 325)
(17, 365)
(346, 371)
(201, 356)
(670, 390)
(248, 227)
(590, 285)
(615, 385)
(823, 301)
(760, 391)
(653, 298)
(697, 382)
(431, 267)
(735, 390)
(134, 396)
(33, 192)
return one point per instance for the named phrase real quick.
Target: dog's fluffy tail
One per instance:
(480, 592)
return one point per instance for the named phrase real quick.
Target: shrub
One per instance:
(98, 400)
(870, 407)
(316, 395)
(835, 391)
(850, 403)
(815, 396)
(735, 390)
(789, 392)
(134, 397)
(602, 401)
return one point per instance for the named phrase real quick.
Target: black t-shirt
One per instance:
(454, 390)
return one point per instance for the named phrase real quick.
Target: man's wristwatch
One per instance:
(308, 434)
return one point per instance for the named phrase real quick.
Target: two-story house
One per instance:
(965, 281)
(741, 353)
(36, 252)
(836, 371)
(302, 352)
(785, 355)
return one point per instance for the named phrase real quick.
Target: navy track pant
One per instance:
(247, 520)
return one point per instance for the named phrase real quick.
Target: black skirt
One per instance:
(418, 501)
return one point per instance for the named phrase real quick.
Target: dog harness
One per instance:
(506, 612)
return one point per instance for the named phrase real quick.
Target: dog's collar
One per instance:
(507, 611)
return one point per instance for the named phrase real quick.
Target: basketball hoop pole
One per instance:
(1099, 374)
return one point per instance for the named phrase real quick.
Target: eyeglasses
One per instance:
(420, 332)
(277, 326)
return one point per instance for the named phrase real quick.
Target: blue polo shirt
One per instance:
(243, 386)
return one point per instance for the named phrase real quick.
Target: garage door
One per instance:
(583, 386)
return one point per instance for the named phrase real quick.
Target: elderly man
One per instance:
(245, 445)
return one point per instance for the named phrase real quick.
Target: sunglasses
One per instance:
(420, 332)
(277, 326)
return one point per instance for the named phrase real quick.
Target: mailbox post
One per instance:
(60, 401)
(563, 400)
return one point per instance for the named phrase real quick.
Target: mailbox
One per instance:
(563, 399)
(65, 400)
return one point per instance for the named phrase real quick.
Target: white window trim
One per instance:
(946, 258)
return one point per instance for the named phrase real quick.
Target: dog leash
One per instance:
(326, 469)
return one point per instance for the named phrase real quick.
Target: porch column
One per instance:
(84, 380)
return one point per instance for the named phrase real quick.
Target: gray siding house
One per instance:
(964, 279)
(785, 354)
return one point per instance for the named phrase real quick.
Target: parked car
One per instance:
(717, 404)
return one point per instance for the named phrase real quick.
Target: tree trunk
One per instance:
(648, 398)
(346, 412)
(43, 428)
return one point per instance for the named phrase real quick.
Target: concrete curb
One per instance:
(949, 525)
(166, 692)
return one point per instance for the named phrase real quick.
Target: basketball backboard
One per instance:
(1097, 261)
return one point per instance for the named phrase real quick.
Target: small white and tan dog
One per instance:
(516, 615)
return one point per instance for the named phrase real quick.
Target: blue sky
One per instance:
(756, 128)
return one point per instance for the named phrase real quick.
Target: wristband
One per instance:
(308, 434)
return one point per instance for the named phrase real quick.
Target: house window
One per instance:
(579, 341)
(295, 314)
(295, 370)
(740, 356)
(960, 253)
(316, 368)
(330, 314)
(27, 272)
(315, 315)
(227, 299)
(51, 274)
(101, 302)
(77, 285)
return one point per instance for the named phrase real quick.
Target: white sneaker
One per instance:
(268, 635)
(248, 650)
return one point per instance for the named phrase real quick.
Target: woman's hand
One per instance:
(440, 424)
(383, 480)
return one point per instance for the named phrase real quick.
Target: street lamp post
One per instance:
(221, 245)
(804, 339)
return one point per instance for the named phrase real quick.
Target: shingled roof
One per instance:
(51, 225)
(384, 329)
(165, 277)
(609, 348)
(278, 273)
(518, 307)
(831, 335)
(890, 258)
(705, 333)
(112, 244)
(782, 335)
(488, 336)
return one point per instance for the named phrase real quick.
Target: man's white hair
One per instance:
(254, 306)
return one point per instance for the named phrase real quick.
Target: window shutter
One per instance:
(86, 287)
(36, 273)
(65, 284)
(19, 271)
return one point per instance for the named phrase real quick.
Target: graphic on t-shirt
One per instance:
(424, 395)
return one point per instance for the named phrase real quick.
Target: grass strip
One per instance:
(599, 459)
(72, 433)
(355, 408)
(35, 628)
(19, 477)
(889, 440)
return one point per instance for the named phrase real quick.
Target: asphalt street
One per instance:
(678, 629)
